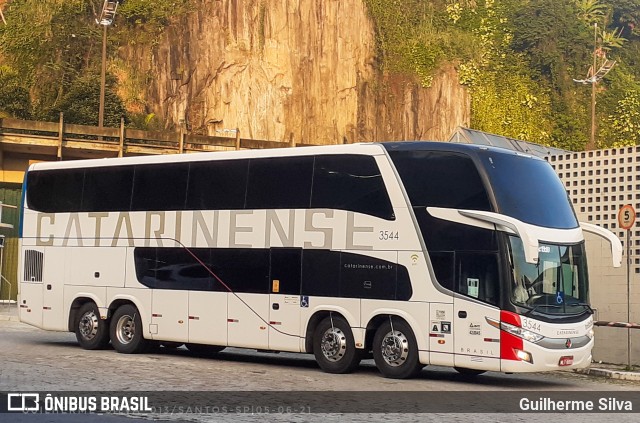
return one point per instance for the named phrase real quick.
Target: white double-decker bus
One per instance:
(417, 253)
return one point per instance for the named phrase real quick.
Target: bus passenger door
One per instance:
(477, 343)
(284, 299)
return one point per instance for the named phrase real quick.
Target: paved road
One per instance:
(36, 360)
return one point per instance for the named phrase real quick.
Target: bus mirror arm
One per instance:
(614, 241)
(487, 220)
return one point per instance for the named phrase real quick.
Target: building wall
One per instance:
(599, 183)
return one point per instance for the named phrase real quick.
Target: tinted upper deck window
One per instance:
(441, 179)
(54, 191)
(350, 182)
(217, 185)
(160, 186)
(528, 189)
(279, 183)
(107, 188)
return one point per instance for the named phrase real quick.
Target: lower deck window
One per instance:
(289, 271)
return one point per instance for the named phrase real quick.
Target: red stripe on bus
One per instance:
(510, 343)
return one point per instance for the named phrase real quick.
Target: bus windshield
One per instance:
(557, 284)
(528, 189)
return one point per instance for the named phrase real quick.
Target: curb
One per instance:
(611, 374)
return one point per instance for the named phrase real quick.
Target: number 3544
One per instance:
(388, 235)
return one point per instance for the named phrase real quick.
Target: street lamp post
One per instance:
(592, 138)
(106, 18)
(103, 77)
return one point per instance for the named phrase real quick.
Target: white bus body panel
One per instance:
(170, 315)
(30, 300)
(54, 275)
(440, 333)
(246, 326)
(208, 317)
(476, 342)
(101, 266)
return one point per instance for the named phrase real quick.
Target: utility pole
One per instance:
(594, 81)
(594, 76)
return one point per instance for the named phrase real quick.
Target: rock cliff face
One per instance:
(292, 69)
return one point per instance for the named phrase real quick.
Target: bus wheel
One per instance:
(92, 332)
(126, 330)
(395, 350)
(469, 372)
(334, 347)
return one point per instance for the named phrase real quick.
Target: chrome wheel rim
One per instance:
(333, 344)
(88, 325)
(395, 348)
(125, 329)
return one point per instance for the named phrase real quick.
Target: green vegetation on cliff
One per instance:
(55, 47)
(518, 58)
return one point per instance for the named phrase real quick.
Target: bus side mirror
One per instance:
(493, 221)
(614, 241)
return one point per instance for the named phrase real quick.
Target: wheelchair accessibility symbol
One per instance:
(560, 297)
(304, 301)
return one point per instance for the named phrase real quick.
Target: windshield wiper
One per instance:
(585, 305)
(528, 313)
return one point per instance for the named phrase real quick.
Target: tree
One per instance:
(14, 98)
(591, 11)
(81, 102)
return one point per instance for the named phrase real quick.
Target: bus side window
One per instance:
(321, 273)
(55, 191)
(107, 189)
(477, 275)
(350, 182)
(160, 187)
(279, 183)
(217, 185)
(286, 271)
(443, 267)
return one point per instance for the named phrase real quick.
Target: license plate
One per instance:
(566, 361)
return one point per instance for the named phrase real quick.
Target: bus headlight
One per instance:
(527, 335)
(524, 356)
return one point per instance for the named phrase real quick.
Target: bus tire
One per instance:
(91, 331)
(395, 352)
(204, 349)
(469, 372)
(334, 346)
(126, 330)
